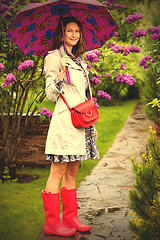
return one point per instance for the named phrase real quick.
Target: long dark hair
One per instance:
(79, 48)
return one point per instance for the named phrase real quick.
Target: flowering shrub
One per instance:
(1, 66)
(104, 82)
(145, 197)
(115, 34)
(132, 18)
(104, 95)
(94, 81)
(97, 75)
(21, 90)
(122, 66)
(144, 60)
(95, 102)
(111, 4)
(110, 45)
(155, 33)
(126, 78)
(25, 64)
(10, 79)
(139, 33)
(46, 112)
(92, 56)
(124, 50)
(108, 75)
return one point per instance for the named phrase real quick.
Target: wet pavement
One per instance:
(103, 196)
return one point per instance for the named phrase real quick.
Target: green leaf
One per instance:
(158, 70)
(129, 34)
(9, 13)
(93, 71)
(123, 21)
(38, 106)
(42, 117)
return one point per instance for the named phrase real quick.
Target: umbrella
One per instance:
(34, 27)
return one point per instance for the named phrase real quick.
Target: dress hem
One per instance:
(69, 159)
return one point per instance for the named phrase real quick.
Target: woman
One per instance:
(66, 146)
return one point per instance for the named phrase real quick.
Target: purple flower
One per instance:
(115, 34)
(126, 78)
(108, 75)
(46, 112)
(98, 76)
(6, 8)
(125, 50)
(134, 17)
(96, 51)
(94, 81)
(155, 36)
(154, 29)
(134, 49)
(118, 6)
(144, 60)
(139, 33)
(95, 102)
(25, 64)
(118, 49)
(89, 66)
(10, 79)
(110, 45)
(1, 66)
(122, 66)
(104, 95)
(91, 56)
(111, 4)
(98, 69)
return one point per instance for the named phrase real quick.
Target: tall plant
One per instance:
(21, 90)
(145, 196)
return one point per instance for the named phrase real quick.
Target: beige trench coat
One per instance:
(63, 138)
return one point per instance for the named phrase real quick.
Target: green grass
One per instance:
(21, 209)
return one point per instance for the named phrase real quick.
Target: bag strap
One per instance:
(64, 100)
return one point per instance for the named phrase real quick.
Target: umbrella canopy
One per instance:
(34, 27)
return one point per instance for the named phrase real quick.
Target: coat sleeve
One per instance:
(51, 70)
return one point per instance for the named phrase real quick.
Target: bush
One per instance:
(145, 197)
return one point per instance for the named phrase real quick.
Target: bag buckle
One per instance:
(89, 113)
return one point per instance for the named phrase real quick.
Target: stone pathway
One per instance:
(103, 196)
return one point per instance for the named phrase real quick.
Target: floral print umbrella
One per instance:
(34, 27)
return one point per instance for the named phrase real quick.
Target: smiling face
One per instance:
(72, 35)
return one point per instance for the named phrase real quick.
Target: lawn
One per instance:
(21, 209)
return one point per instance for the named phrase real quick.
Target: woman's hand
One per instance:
(65, 62)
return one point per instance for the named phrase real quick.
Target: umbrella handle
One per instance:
(67, 71)
(68, 76)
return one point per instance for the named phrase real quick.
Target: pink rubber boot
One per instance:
(69, 204)
(53, 225)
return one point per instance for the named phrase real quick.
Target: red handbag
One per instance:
(84, 114)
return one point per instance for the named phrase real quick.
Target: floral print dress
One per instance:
(91, 148)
